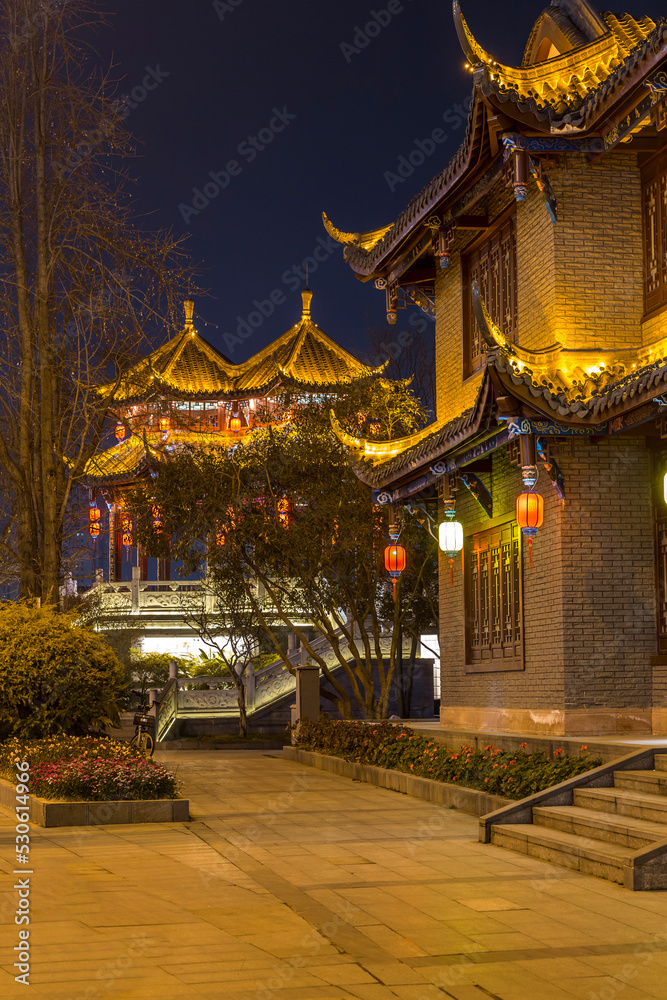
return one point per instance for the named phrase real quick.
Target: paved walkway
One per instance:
(294, 884)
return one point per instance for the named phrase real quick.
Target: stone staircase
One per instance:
(611, 822)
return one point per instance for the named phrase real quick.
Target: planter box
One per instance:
(468, 800)
(59, 812)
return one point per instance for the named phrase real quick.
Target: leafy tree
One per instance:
(55, 677)
(281, 527)
(80, 281)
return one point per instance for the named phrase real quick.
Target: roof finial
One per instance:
(189, 307)
(306, 296)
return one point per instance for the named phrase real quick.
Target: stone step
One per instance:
(623, 802)
(652, 782)
(591, 824)
(564, 849)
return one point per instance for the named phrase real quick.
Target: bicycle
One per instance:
(143, 738)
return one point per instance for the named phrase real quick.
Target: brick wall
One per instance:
(589, 602)
(608, 564)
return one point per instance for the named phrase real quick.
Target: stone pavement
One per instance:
(295, 884)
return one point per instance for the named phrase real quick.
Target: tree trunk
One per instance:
(243, 718)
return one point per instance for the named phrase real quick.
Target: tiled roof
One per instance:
(377, 467)
(125, 462)
(187, 367)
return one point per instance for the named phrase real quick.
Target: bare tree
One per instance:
(409, 347)
(80, 281)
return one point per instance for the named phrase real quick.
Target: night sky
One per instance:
(222, 74)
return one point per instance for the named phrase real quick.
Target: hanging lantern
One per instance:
(164, 423)
(235, 424)
(126, 530)
(94, 513)
(529, 516)
(219, 536)
(394, 562)
(120, 431)
(284, 508)
(157, 519)
(450, 540)
(664, 487)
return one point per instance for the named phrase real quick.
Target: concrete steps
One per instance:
(617, 831)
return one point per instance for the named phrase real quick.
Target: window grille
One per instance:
(492, 264)
(493, 598)
(654, 203)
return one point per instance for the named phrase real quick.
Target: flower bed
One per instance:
(93, 769)
(513, 775)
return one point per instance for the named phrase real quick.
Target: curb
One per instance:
(468, 800)
(49, 813)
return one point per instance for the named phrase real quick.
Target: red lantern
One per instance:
(235, 424)
(120, 431)
(157, 519)
(284, 508)
(94, 513)
(164, 423)
(394, 562)
(529, 516)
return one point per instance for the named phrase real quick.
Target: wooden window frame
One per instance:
(498, 656)
(654, 231)
(501, 296)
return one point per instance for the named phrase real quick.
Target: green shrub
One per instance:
(512, 774)
(55, 677)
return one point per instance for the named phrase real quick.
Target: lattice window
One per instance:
(493, 598)
(492, 264)
(661, 582)
(654, 200)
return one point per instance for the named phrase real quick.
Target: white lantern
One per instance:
(451, 537)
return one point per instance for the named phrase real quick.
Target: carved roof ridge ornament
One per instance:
(495, 338)
(382, 451)
(566, 78)
(366, 241)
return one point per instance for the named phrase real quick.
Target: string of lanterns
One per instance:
(529, 516)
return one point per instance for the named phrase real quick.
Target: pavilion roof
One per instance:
(125, 462)
(188, 367)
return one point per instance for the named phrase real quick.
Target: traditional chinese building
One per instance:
(188, 393)
(542, 248)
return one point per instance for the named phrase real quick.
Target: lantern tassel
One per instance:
(394, 583)
(530, 551)
(451, 571)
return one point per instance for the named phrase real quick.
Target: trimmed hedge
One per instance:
(512, 774)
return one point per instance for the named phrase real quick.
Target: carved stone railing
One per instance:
(167, 708)
(144, 595)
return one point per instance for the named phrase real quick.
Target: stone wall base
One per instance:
(557, 722)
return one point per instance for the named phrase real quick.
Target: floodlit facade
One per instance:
(542, 249)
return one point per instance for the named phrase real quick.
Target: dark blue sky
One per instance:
(231, 65)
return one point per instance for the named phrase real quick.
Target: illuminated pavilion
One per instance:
(188, 393)
(541, 247)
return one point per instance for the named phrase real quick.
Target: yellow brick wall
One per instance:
(598, 259)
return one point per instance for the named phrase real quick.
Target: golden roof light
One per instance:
(562, 76)
(364, 240)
